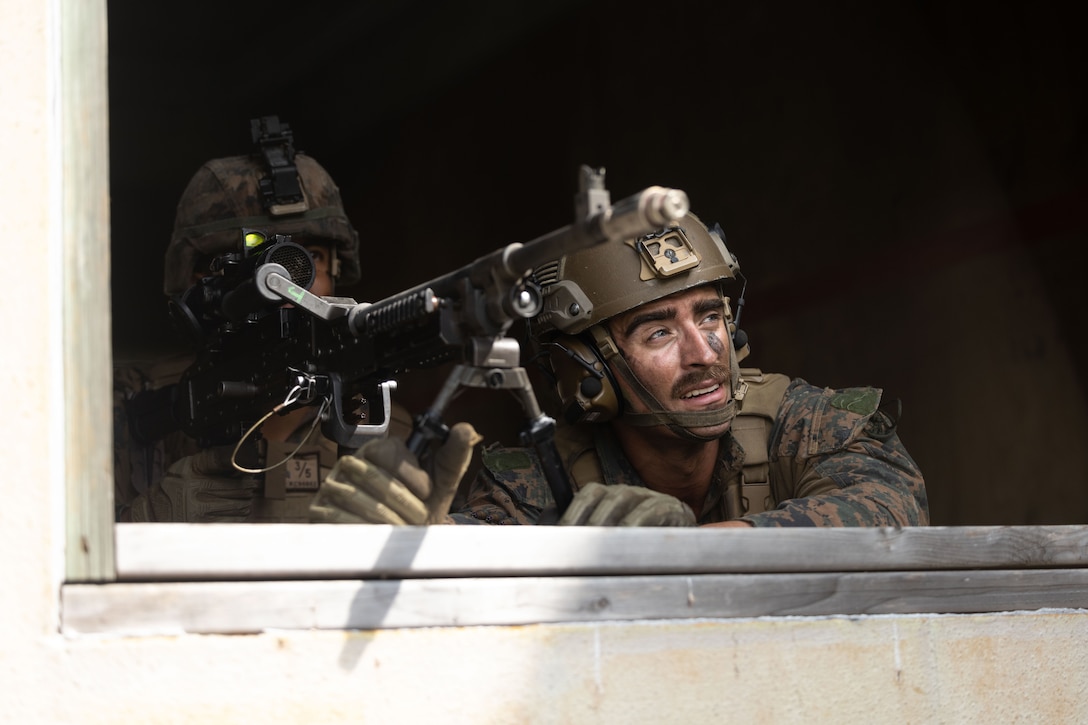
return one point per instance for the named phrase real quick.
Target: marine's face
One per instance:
(678, 348)
(324, 284)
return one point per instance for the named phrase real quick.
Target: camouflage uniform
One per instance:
(833, 458)
(285, 492)
(137, 467)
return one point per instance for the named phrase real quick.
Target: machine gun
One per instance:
(259, 357)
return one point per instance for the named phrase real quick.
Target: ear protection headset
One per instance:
(587, 390)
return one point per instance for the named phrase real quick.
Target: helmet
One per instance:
(586, 288)
(226, 195)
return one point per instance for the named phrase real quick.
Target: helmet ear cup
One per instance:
(586, 388)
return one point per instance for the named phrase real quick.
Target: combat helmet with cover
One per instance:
(274, 190)
(586, 288)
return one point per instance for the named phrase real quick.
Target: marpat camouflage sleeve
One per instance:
(836, 460)
(510, 489)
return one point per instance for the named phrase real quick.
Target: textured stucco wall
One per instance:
(954, 669)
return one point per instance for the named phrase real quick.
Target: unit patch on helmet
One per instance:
(665, 253)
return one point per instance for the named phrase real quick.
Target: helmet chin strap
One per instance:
(680, 422)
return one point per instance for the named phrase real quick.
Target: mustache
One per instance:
(717, 373)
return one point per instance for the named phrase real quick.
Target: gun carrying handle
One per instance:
(354, 436)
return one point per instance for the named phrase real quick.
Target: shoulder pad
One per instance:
(814, 421)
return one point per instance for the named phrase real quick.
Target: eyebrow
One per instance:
(707, 304)
(665, 313)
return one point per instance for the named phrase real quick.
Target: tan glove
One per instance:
(383, 483)
(201, 488)
(623, 505)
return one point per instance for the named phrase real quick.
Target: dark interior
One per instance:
(905, 183)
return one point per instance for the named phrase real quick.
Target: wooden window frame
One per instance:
(225, 578)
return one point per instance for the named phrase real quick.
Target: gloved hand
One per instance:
(623, 505)
(383, 483)
(201, 488)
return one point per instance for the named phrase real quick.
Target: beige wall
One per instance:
(978, 668)
(913, 669)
